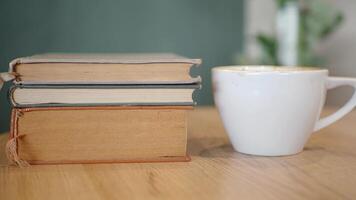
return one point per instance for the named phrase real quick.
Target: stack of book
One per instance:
(92, 108)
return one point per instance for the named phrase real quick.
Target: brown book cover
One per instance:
(119, 68)
(60, 135)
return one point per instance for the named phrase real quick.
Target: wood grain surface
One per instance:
(325, 170)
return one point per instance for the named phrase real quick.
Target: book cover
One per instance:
(101, 95)
(59, 135)
(154, 68)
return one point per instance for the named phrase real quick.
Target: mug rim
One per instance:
(262, 69)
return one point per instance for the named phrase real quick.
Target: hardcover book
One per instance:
(58, 135)
(104, 69)
(98, 95)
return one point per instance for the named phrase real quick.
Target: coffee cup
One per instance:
(272, 111)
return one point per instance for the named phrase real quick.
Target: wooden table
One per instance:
(325, 170)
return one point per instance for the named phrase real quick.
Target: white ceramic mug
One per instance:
(272, 111)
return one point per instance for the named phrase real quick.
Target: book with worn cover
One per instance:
(155, 68)
(99, 95)
(59, 135)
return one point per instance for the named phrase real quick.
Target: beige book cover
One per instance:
(101, 95)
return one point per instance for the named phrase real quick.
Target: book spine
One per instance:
(10, 96)
(11, 148)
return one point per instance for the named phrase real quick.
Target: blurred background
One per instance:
(280, 32)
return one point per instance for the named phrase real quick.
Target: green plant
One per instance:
(317, 20)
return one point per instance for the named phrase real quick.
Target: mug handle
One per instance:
(333, 82)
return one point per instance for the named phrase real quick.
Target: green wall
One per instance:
(207, 29)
